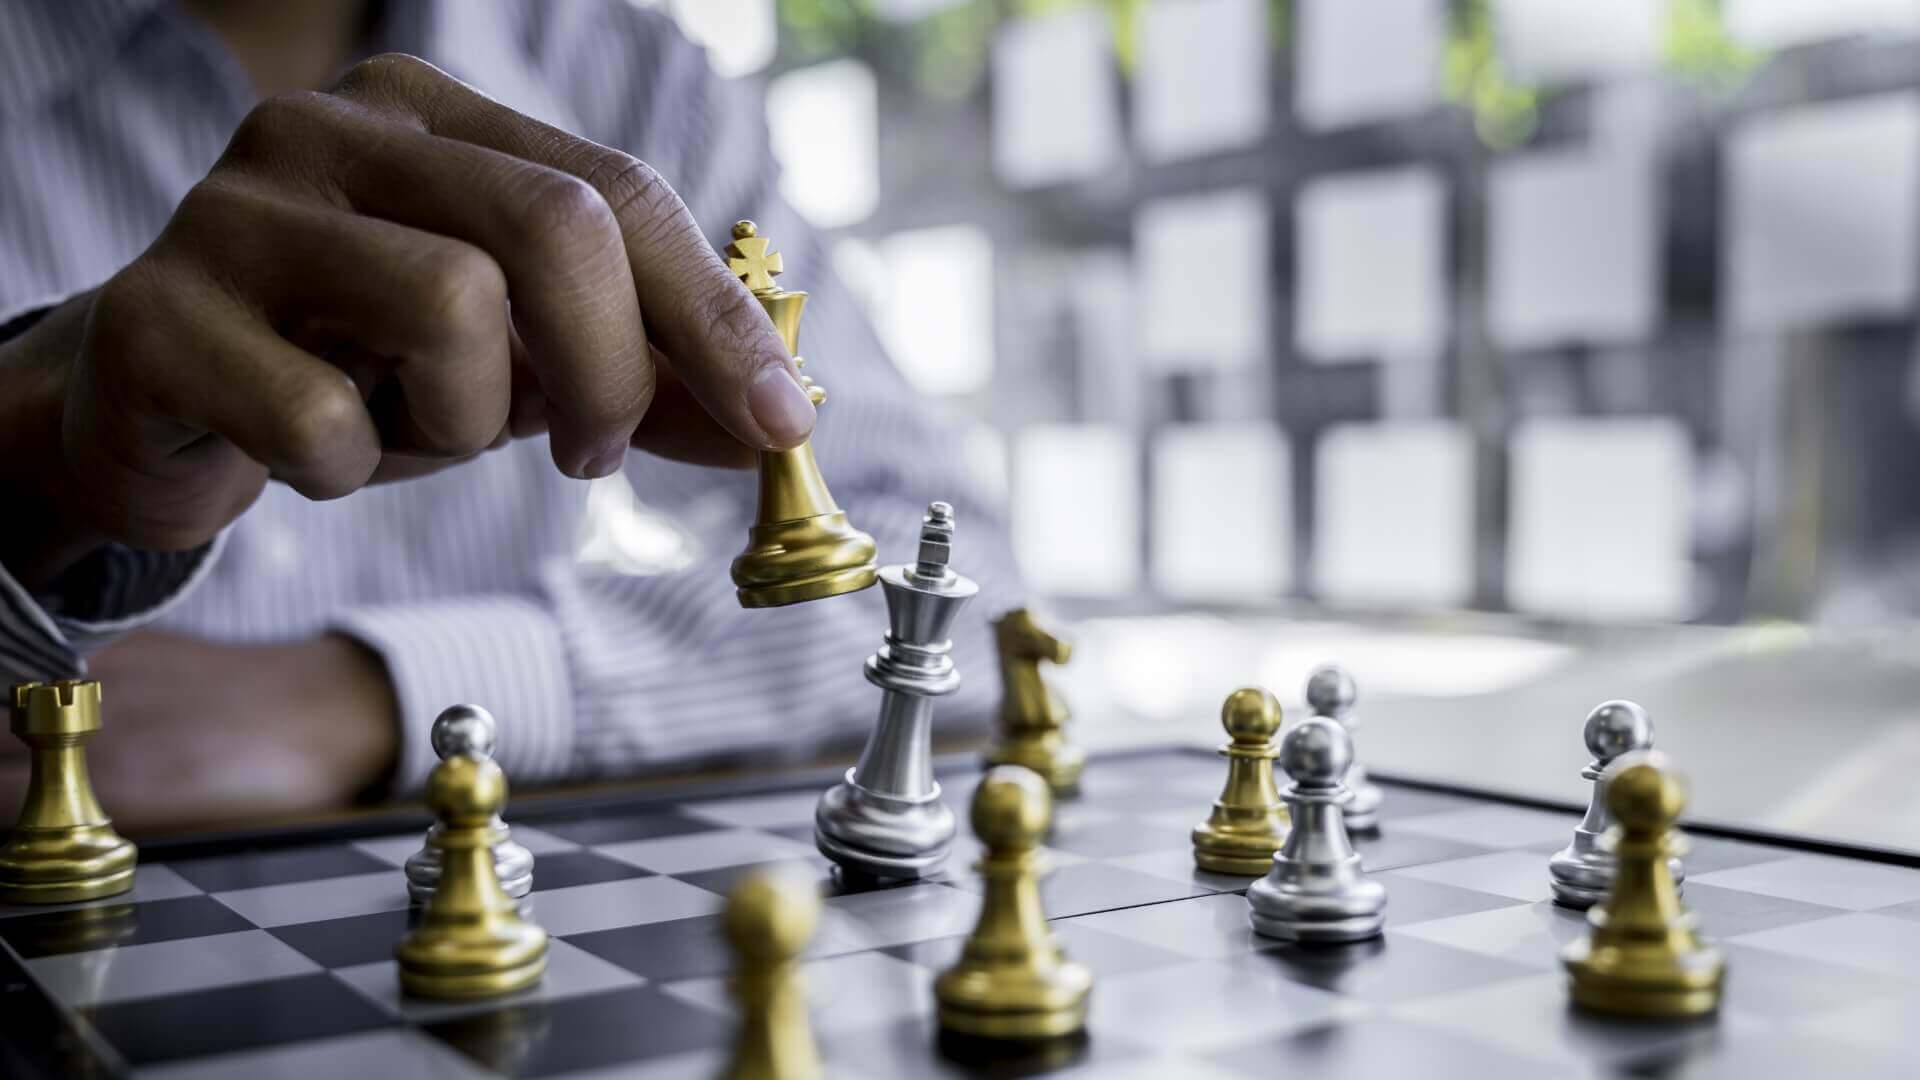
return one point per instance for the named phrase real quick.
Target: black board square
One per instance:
(231, 1018)
(101, 926)
(252, 869)
(621, 1026)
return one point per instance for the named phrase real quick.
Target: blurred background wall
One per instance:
(1583, 310)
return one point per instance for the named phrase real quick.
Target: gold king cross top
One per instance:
(749, 259)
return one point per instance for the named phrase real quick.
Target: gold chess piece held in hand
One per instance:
(1012, 982)
(769, 921)
(471, 941)
(1642, 956)
(1249, 822)
(63, 848)
(801, 546)
(1033, 716)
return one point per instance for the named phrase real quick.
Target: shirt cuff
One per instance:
(503, 653)
(48, 637)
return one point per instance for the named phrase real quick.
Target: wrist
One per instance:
(354, 732)
(46, 535)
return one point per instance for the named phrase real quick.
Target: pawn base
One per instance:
(876, 836)
(1239, 841)
(451, 965)
(1624, 983)
(1014, 1004)
(1337, 931)
(61, 866)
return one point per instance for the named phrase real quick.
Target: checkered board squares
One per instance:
(1599, 519)
(178, 980)
(1371, 274)
(1222, 524)
(1374, 487)
(1821, 214)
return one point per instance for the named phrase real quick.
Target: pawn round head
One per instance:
(1011, 808)
(463, 729)
(745, 230)
(770, 917)
(1316, 752)
(1644, 792)
(1251, 716)
(1617, 727)
(466, 789)
(1330, 691)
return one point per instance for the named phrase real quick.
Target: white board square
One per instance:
(1222, 520)
(1548, 41)
(1599, 522)
(1393, 515)
(1056, 106)
(1820, 221)
(1076, 508)
(824, 124)
(1204, 267)
(1202, 80)
(1775, 24)
(1360, 62)
(1573, 252)
(936, 314)
(1370, 274)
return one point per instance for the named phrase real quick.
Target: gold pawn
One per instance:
(63, 848)
(471, 941)
(1032, 714)
(769, 921)
(1012, 981)
(1249, 822)
(1642, 956)
(801, 546)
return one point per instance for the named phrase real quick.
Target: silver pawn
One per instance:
(1582, 872)
(886, 820)
(1331, 693)
(469, 729)
(1316, 890)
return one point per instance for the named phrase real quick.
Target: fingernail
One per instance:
(782, 409)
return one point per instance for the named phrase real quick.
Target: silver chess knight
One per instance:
(1316, 890)
(469, 729)
(1331, 693)
(1582, 872)
(886, 820)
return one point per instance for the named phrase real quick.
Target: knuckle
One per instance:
(388, 75)
(317, 424)
(273, 123)
(564, 210)
(461, 288)
(634, 190)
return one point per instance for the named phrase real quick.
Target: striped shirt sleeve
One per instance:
(48, 636)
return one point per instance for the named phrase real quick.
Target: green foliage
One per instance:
(1698, 47)
(1505, 113)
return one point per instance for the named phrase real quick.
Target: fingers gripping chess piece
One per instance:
(1641, 956)
(1012, 982)
(469, 729)
(886, 820)
(63, 848)
(1032, 715)
(471, 940)
(1331, 693)
(801, 546)
(1316, 891)
(1582, 872)
(769, 921)
(1248, 823)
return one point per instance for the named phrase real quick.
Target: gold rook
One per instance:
(63, 848)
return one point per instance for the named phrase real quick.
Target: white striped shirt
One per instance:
(470, 583)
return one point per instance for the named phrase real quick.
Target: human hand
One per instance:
(199, 734)
(372, 282)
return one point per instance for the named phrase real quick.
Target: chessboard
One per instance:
(272, 955)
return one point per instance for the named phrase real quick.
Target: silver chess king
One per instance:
(886, 820)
